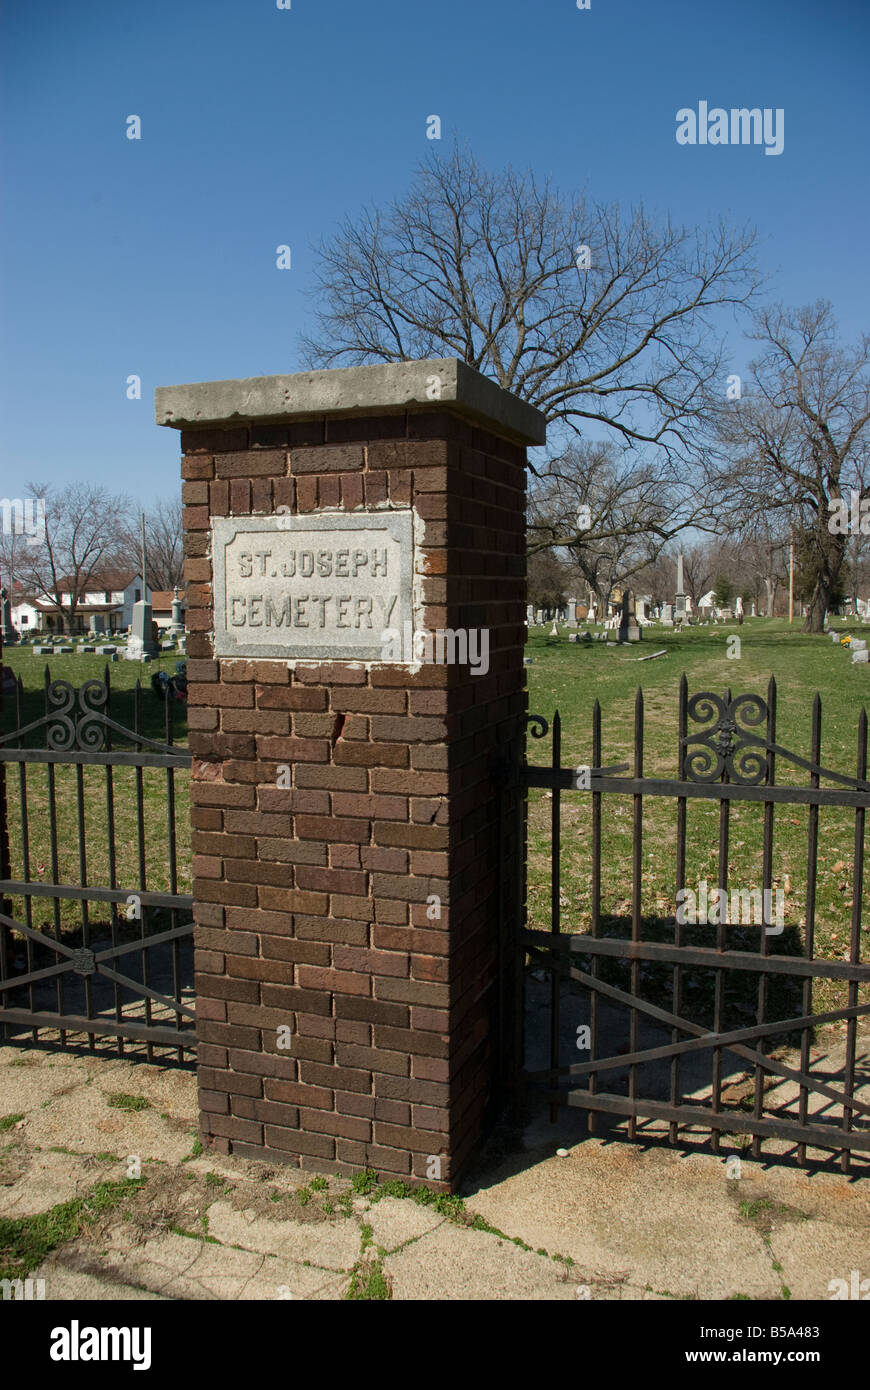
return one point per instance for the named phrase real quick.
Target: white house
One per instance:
(106, 606)
(25, 615)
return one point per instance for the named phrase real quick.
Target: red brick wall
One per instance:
(310, 902)
(5, 856)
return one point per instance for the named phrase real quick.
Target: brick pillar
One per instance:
(345, 805)
(5, 855)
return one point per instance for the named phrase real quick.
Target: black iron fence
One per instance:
(664, 999)
(96, 937)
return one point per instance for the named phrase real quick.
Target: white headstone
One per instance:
(141, 645)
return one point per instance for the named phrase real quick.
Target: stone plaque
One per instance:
(300, 588)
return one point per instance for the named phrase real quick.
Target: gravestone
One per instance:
(141, 645)
(680, 601)
(629, 630)
(8, 634)
(176, 626)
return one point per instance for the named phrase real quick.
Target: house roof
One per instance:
(46, 606)
(110, 580)
(115, 579)
(162, 599)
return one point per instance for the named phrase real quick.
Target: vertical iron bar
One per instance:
(676, 993)
(518, 915)
(502, 941)
(140, 828)
(855, 940)
(7, 870)
(721, 943)
(766, 887)
(25, 863)
(113, 860)
(810, 916)
(83, 879)
(55, 866)
(592, 1115)
(555, 906)
(55, 870)
(173, 879)
(636, 886)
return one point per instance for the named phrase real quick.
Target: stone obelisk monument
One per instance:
(680, 602)
(140, 644)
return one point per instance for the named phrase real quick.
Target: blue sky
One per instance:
(263, 127)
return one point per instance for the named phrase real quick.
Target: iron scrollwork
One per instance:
(728, 746)
(61, 730)
(85, 730)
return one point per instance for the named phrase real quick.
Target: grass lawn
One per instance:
(564, 676)
(151, 835)
(571, 677)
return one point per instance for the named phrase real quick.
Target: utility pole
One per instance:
(791, 579)
(142, 544)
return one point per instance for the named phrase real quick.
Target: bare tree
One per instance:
(81, 539)
(763, 560)
(611, 512)
(549, 580)
(858, 547)
(798, 437)
(591, 315)
(14, 543)
(164, 543)
(657, 580)
(698, 568)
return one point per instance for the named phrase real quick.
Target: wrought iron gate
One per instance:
(127, 972)
(653, 964)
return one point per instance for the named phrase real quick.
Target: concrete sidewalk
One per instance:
(608, 1220)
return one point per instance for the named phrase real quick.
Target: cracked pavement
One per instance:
(605, 1220)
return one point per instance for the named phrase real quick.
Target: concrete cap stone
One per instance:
(371, 390)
